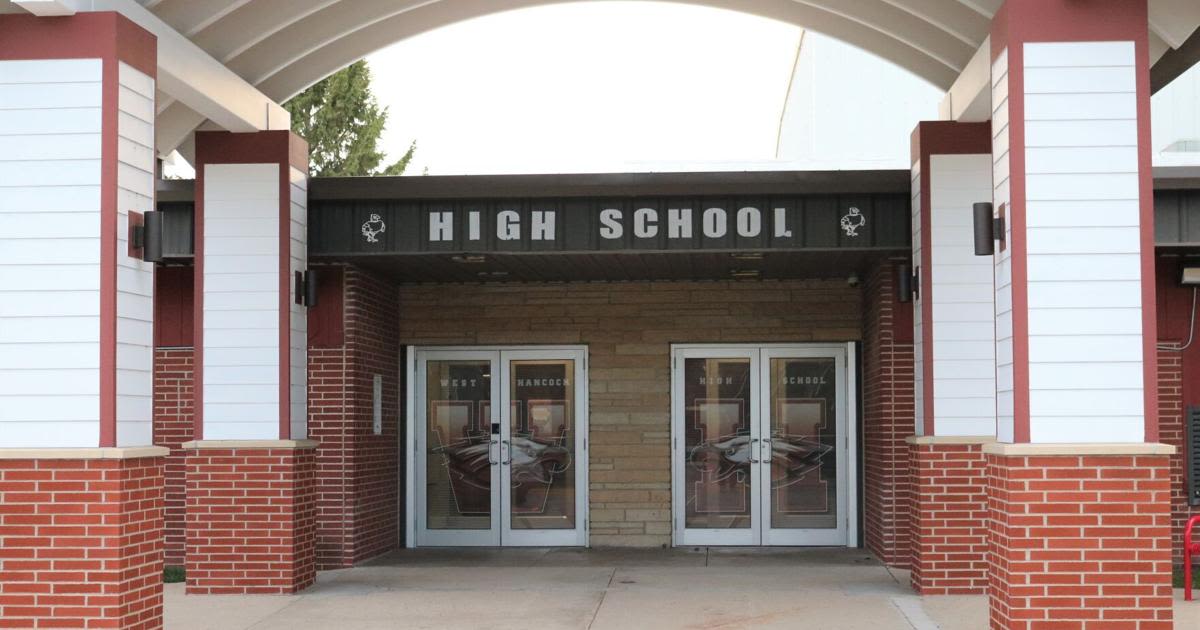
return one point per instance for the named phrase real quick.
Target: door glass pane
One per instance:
(803, 443)
(716, 407)
(458, 473)
(542, 451)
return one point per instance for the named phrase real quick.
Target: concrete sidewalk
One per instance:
(717, 588)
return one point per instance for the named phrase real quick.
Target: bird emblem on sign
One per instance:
(373, 228)
(853, 220)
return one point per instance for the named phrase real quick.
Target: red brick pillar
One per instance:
(251, 516)
(949, 516)
(1079, 490)
(250, 523)
(1080, 536)
(887, 410)
(81, 538)
(81, 488)
(954, 359)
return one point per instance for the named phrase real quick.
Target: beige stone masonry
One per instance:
(1034, 450)
(272, 444)
(923, 440)
(628, 328)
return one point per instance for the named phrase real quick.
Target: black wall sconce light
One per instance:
(145, 236)
(908, 283)
(305, 288)
(988, 229)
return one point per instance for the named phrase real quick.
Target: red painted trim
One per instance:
(111, 91)
(928, 139)
(286, 286)
(1022, 21)
(173, 307)
(198, 299)
(1146, 215)
(98, 35)
(287, 150)
(327, 323)
(113, 39)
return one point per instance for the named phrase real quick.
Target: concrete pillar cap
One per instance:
(263, 444)
(118, 452)
(1116, 448)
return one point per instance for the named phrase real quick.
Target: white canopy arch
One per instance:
(283, 46)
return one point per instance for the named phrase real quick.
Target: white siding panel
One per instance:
(50, 173)
(1065, 376)
(1090, 213)
(18, 199)
(135, 279)
(1095, 429)
(36, 121)
(21, 72)
(1083, 240)
(1081, 159)
(918, 319)
(1079, 80)
(241, 270)
(1085, 321)
(240, 430)
(65, 433)
(1002, 268)
(1078, 54)
(1080, 133)
(24, 147)
(963, 295)
(37, 95)
(298, 192)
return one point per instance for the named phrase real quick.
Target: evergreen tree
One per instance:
(342, 122)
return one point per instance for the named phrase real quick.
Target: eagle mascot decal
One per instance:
(852, 221)
(373, 228)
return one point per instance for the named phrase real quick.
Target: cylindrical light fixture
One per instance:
(152, 237)
(904, 285)
(985, 237)
(310, 288)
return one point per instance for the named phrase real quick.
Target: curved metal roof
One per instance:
(283, 46)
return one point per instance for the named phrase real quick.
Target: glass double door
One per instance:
(761, 445)
(501, 437)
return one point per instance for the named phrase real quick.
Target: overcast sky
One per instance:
(598, 86)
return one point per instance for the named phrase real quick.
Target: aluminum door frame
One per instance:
(844, 413)
(681, 534)
(576, 537)
(760, 354)
(418, 429)
(416, 534)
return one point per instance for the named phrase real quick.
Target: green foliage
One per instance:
(172, 575)
(342, 122)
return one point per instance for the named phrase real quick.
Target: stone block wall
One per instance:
(629, 328)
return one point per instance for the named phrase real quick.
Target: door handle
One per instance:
(505, 445)
(494, 462)
(766, 444)
(753, 442)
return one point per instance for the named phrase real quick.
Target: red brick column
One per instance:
(1080, 536)
(949, 516)
(81, 538)
(251, 516)
(174, 424)
(887, 417)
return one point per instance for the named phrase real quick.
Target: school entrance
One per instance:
(500, 443)
(762, 446)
